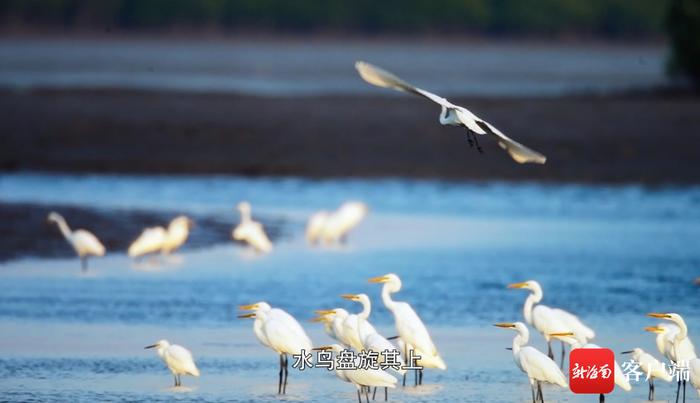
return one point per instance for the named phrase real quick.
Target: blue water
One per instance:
(609, 254)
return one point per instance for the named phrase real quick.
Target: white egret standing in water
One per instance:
(550, 320)
(651, 366)
(250, 231)
(451, 114)
(279, 331)
(361, 377)
(83, 241)
(177, 233)
(682, 349)
(538, 367)
(410, 328)
(178, 359)
(151, 240)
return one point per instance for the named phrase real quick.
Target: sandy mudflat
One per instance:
(647, 138)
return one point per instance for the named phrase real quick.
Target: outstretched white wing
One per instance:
(382, 78)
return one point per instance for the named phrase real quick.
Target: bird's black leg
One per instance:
(405, 354)
(374, 394)
(678, 390)
(550, 354)
(279, 385)
(359, 396)
(478, 146)
(420, 376)
(532, 390)
(683, 390)
(539, 391)
(651, 389)
(469, 138)
(286, 374)
(563, 354)
(602, 398)
(175, 376)
(386, 393)
(179, 380)
(415, 377)
(367, 393)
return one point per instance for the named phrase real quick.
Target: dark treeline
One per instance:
(600, 18)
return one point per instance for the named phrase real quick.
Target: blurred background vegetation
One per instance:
(607, 19)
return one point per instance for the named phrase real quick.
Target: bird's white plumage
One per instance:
(278, 330)
(451, 114)
(331, 228)
(537, 366)
(177, 358)
(250, 231)
(84, 242)
(151, 240)
(694, 374)
(651, 365)
(364, 377)
(409, 325)
(314, 227)
(177, 233)
(681, 347)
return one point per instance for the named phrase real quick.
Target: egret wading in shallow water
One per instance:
(150, 241)
(333, 228)
(451, 114)
(280, 332)
(410, 328)
(369, 338)
(251, 232)
(651, 366)
(178, 359)
(362, 378)
(682, 350)
(576, 342)
(550, 320)
(537, 366)
(83, 241)
(177, 233)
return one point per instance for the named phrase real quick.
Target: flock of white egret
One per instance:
(280, 332)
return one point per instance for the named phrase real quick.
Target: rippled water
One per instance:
(610, 254)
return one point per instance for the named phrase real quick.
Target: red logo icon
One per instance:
(592, 370)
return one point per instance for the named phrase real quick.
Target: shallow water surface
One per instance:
(610, 254)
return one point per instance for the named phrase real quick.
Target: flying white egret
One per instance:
(279, 331)
(151, 240)
(651, 366)
(550, 320)
(362, 377)
(178, 231)
(682, 349)
(576, 341)
(178, 359)
(314, 227)
(451, 114)
(538, 367)
(83, 241)
(410, 327)
(250, 231)
(338, 224)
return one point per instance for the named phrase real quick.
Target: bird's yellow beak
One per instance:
(322, 348)
(321, 318)
(351, 297)
(250, 307)
(517, 285)
(246, 316)
(562, 334)
(659, 315)
(380, 279)
(324, 312)
(654, 329)
(506, 325)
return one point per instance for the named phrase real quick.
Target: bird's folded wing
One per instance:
(517, 151)
(382, 78)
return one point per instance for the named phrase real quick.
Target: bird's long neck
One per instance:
(530, 302)
(682, 332)
(518, 341)
(386, 297)
(63, 226)
(366, 310)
